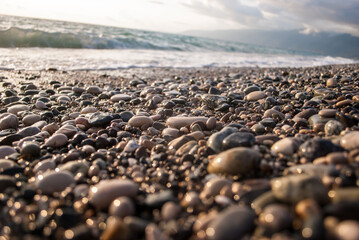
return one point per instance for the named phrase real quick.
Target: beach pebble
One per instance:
(120, 97)
(40, 105)
(68, 130)
(140, 121)
(294, 188)
(333, 127)
(102, 194)
(8, 121)
(99, 119)
(6, 151)
(170, 210)
(287, 146)
(74, 167)
(327, 113)
(215, 141)
(15, 109)
(57, 140)
(235, 161)
(6, 164)
(214, 186)
(87, 110)
(51, 128)
(31, 119)
(347, 230)
(211, 123)
(30, 149)
(44, 165)
(122, 207)
(350, 140)
(277, 217)
(178, 122)
(54, 181)
(318, 147)
(255, 96)
(6, 182)
(233, 223)
(29, 131)
(240, 139)
(93, 90)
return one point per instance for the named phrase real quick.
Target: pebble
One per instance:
(54, 181)
(6, 164)
(104, 193)
(45, 165)
(140, 121)
(15, 109)
(333, 127)
(178, 122)
(30, 149)
(215, 141)
(57, 140)
(287, 146)
(317, 147)
(29, 131)
(240, 139)
(170, 210)
(235, 161)
(294, 188)
(94, 90)
(350, 140)
(120, 97)
(276, 217)
(6, 151)
(347, 230)
(327, 113)
(122, 207)
(8, 121)
(255, 96)
(232, 223)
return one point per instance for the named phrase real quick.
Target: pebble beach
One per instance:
(180, 153)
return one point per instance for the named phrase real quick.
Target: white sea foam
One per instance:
(94, 59)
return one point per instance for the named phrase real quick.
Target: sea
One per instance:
(39, 44)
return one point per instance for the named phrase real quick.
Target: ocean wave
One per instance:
(117, 38)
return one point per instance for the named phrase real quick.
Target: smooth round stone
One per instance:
(8, 121)
(272, 113)
(294, 188)
(40, 105)
(255, 96)
(277, 217)
(333, 127)
(327, 113)
(215, 141)
(120, 97)
(239, 139)
(231, 224)
(331, 82)
(318, 170)
(29, 131)
(102, 194)
(170, 210)
(30, 149)
(99, 119)
(51, 128)
(57, 140)
(31, 119)
(93, 90)
(287, 146)
(87, 110)
(126, 115)
(173, 132)
(235, 161)
(122, 207)
(18, 108)
(250, 89)
(39, 124)
(6, 151)
(63, 99)
(350, 140)
(178, 122)
(306, 113)
(347, 230)
(139, 121)
(6, 164)
(78, 90)
(48, 164)
(211, 123)
(54, 181)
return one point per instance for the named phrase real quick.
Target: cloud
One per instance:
(310, 15)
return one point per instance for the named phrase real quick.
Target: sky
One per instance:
(176, 16)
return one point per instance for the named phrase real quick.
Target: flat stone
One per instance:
(48, 164)
(294, 188)
(272, 113)
(235, 161)
(93, 90)
(31, 119)
(120, 97)
(87, 110)
(350, 140)
(327, 113)
(287, 146)
(68, 130)
(104, 193)
(29, 131)
(54, 181)
(139, 121)
(57, 140)
(255, 96)
(178, 122)
(231, 224)
(126, 115)
(99, 119)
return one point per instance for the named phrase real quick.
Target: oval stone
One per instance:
(350, 140)
(18, 108)
(102, 194)
(139, 121)
(8, 121)
(286, 146)
(231, 224)
(53, 181)
(31, 119)
(120, 97)
(178, 122)
(6, 151)
(256, 95)
(239, 160)
(122, 207)
(57, 140)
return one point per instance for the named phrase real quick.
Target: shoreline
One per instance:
(180, 153)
